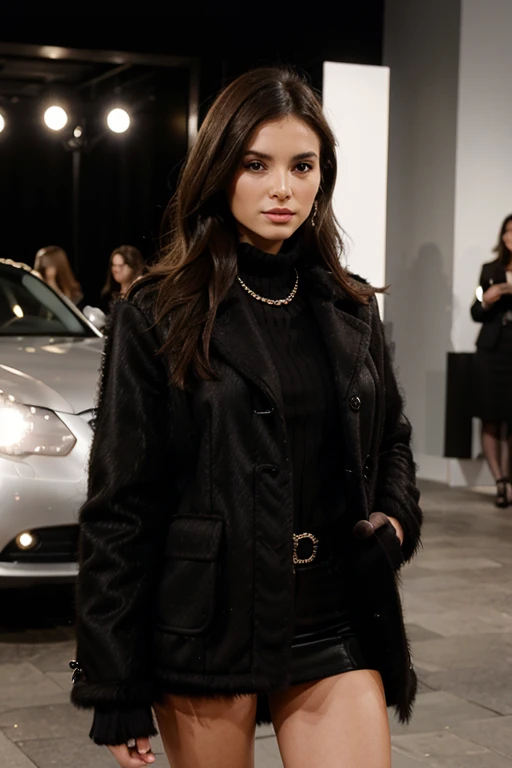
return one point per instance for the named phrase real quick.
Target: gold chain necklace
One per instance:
(273, 302)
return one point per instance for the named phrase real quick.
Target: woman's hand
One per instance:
(134, 756)
(365, 528)
(495, 292)
(388, 531)
(398, 528)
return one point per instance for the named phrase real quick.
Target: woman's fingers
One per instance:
(129, 758)
(378, 519)
(363, 529)
(144, 750)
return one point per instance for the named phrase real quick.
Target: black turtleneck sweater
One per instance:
(292, 336)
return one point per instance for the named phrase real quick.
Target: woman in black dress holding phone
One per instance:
(493, 365)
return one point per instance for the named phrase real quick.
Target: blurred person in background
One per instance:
(126, 264)
(493, 362)
(53, 265)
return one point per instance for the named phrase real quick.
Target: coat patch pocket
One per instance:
(187, 590)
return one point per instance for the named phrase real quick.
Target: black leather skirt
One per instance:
(324, 642)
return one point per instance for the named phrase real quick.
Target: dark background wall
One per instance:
(126, 181)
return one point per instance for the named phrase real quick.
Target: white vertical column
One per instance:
(356, 104)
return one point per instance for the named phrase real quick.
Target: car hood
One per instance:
(60, 374)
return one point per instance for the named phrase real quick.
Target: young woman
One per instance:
(252, 491)
(493, 362)
(125, 265)
(53, 265)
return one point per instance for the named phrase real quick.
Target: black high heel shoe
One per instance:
(501, 499)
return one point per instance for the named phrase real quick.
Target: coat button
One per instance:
(355, 403)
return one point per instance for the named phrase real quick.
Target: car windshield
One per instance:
(29, 308)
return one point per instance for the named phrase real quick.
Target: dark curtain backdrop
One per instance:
(126, 181)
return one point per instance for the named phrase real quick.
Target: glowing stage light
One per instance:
(118, 120)
(56, 118)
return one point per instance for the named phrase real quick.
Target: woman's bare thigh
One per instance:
(208, 733)
(336, 722)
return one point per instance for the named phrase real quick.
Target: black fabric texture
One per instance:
(492, 368)
(299, 354)
(217, 454)
(493, 273)
(112, 727)
(296, 346)
(492, 380)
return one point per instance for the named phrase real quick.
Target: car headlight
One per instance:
(27, 429)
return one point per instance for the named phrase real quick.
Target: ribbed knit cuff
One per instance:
(117, 726)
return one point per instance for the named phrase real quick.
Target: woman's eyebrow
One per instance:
(295, 158)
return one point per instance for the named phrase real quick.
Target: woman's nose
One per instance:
(280, 186)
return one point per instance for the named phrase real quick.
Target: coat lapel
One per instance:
(237, 338)
(347, 337)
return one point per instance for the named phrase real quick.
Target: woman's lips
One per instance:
(278, 218)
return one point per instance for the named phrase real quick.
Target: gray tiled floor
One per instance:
(458, 605)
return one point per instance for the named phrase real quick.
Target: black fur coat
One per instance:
(185, 580)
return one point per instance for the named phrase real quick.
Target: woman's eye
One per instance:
(303, 167)
(254, 165)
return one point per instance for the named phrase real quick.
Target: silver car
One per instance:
(50, 356)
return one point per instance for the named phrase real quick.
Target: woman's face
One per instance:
(507, 236)
(121, 272)
(274, 189)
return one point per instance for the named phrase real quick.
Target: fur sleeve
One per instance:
(123, 519)
(397, 494)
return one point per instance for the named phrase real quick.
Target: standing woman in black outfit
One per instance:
(493, 362)
(251, 488)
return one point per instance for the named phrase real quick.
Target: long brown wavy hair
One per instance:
(504, 255)
(198, 258)
(54, 256)
(133, 257)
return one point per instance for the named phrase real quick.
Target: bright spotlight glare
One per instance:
(55, 118)
(2, 123)
(118, 120)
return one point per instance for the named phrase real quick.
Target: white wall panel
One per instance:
(356, 104)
